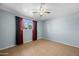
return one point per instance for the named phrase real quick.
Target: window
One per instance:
(27, 24)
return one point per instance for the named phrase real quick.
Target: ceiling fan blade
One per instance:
(34, 12)
(47, 12)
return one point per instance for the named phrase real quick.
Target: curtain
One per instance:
(34, 36)
(19, 30)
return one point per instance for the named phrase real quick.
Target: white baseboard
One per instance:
(65, 43)
(7, 47)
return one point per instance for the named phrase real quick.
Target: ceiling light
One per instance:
(42, 10)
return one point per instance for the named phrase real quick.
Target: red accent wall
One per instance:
(34, 31)
(21, 30)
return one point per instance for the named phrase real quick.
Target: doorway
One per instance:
(27, 30)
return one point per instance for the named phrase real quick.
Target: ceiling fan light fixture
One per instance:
(43, 11)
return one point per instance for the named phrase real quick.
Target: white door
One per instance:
(27, 31)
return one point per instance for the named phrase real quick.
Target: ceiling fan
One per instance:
(42, 10)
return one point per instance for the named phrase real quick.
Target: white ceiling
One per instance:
(56, 9)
